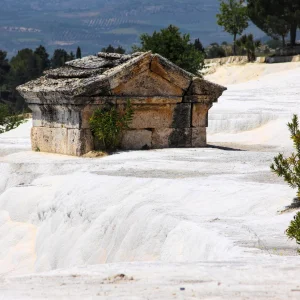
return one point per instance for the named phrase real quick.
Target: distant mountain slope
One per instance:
(93, 24)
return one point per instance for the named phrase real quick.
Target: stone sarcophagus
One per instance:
(170, 105)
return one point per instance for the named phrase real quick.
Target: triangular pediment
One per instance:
(169, 71)
(147, 84)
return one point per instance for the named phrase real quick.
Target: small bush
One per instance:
(8, 121)
(293, 232)
(248, 44)
(289, 168)
(107, 125)
(214, 50)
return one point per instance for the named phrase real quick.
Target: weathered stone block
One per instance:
(148, 112)
(200, 86)
(147, 84)
(101, 100)
(150, 100)
(200, 115)
(52, 140)
(97, 86)
(37, 120)
(61, 140)
(199, 137)
(180, 138)
(152, 116)
(160, 138)
(79, 142)
(182, 115)
(86, 114)
(136, 139)
(198, 99)
(56, 116)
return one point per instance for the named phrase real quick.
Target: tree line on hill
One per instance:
(30, 64)
(275, 17)
(27, 65)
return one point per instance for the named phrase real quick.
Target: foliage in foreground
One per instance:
(176, 47)
(107, 125)
(7, 120)
(293, 232)
(289, 168)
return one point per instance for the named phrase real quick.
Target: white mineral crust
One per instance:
(205, 220)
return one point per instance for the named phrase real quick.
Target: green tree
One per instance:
(176, 47)
(198, 45)
(273, 44)
(60, 57)
(293, 232)
(276, 17)
(24, 67)
(111, 49)
(8, 121)
(248, 44)
(214, 50)
(233, 18)
(289, 168)
(120, 50)
(78, 52)
(277, 28)
(71, 56)
(108, 49)
(42, 58)
(4, 67)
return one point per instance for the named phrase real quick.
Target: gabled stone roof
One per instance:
(100, 75)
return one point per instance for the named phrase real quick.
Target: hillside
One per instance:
(93, 24)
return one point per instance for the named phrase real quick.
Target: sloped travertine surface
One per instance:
(205, 220)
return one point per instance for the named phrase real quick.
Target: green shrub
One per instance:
(249, 45)
(8, 121)
(107, 125)
(293, 232)
(289, 168)
(175, 46)
(214, 50)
